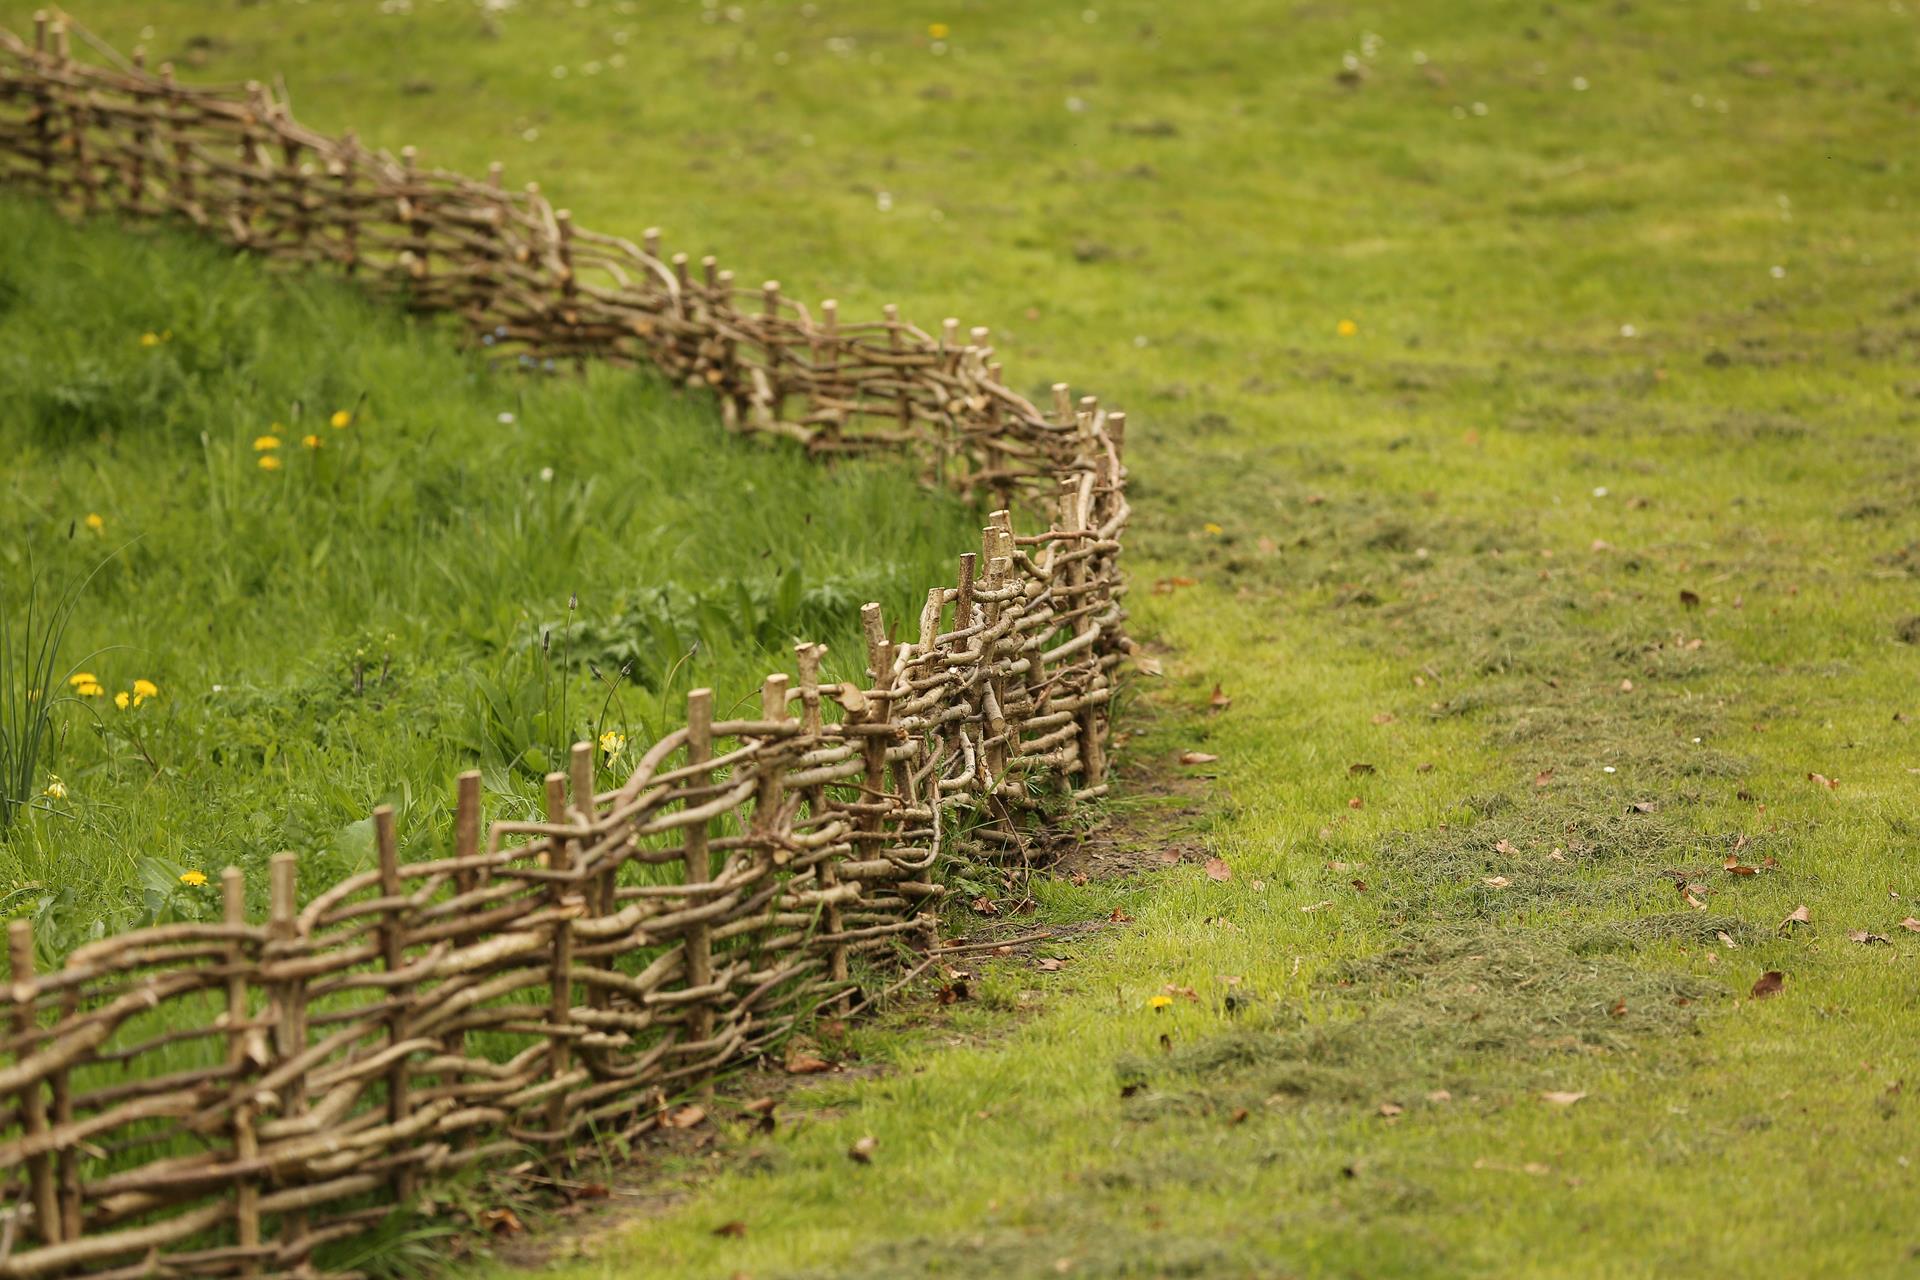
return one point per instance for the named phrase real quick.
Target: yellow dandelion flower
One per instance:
(311, 441)
(96, 522)
(341, 418)
(1159, 1002)
(122, 699)
(79, 678)
(146, 689)
(193, 878)
(613, 743)
(1346, 328)
(1211, 527)
(56, 789)
(938, 30)
(91, 689)
(269, 463)
(150, 339)
(265, 444)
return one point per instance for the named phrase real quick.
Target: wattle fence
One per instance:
(227, 1099)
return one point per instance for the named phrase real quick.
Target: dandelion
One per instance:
(1159, 1002)
(265, 444)
(938, 30)
(123, 699)
(340, 420)
(96, 522)
(613, 743)
(311, 441)
(55, 789)
(1346, 328)
(144, 689)
(86, 684)
(193, 879)
(1211, 527)
(269, 463)
(151, 339)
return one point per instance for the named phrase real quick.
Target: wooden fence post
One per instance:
(698, 864)
(393, 942)
(33, 1102)
(560, 974)
(290, 1030)
(246, 1145)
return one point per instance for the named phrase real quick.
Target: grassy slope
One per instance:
(1186, 242)
(426, 544)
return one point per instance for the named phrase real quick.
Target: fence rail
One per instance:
(225, 1099)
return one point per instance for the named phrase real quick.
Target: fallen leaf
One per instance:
(1828, 783)
(803, 1063)
(734, 1229)
(1504, 846)
(1391, 1109)
(1148, 666)
(1425, 766)
(1864, 938)
(1360, 770)
(863, 1148)
(684, 1117)
(1360, 885)
(1356, 803)
(1734, 867)
(1769, 984)
(954, 993)
(984, 906)
(1383, 717)
(1197, 757)
(1167, 586)
(1643, 806)
(1440, 1095)
(1562, 1097)
(502, 1222)
(1799, 915)
(1619, 1009)
(1726, 940)
(1219, 701)
(1217, 869)
(1543, 778)
(1119, 917)
(1497, 882)
(1911, 925)
(1239, 1116)
(1318, 906)
(1689, 599)
(1052, 964)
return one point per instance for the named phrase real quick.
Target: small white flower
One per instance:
(1600, 491)
(1140, 340)
(1580, 84)
(1606, 768)
(546, 475)
(1778, 273)
(883, 201)
(1479, 108)
(1628, 331)
(1076, 104)
(505, 419)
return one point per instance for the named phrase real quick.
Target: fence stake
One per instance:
(290, 1033)
(393, 941)
(560, 974)
(699, 863)
(33, 1104)
(246, 1146)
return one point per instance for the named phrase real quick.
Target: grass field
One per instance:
(1530, 392)
(347, 562)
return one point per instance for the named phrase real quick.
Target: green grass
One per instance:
(1569, 330)
(477, 569)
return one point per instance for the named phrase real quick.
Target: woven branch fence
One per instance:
(225, 1099)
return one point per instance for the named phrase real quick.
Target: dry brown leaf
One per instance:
(1799, 915)
(802, 1063)
(1318, 906)
(502, 1222)
(1769, 984)
(1497, 882)
(1119, 917)
(863, 1148)
(684, 1117)
(1864, 938)
(733, 1230)
(1148, 666)
(1828, 783)
(1690, 599)
(1167, 586)
(1383, 717)
(1544, 778)
(1052, 964)
(1440, 1095)
(1562, 1097)
(1219, 701)
(1911, 925)
(1504, 846)
(1619, 1009)
(1391, 1109)
(1197, 757)
(1356, 803)
(1217, 869)
(1726, 940)
(1239, 1116)
(1360, 770)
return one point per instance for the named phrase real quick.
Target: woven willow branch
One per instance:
(222, 1100)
